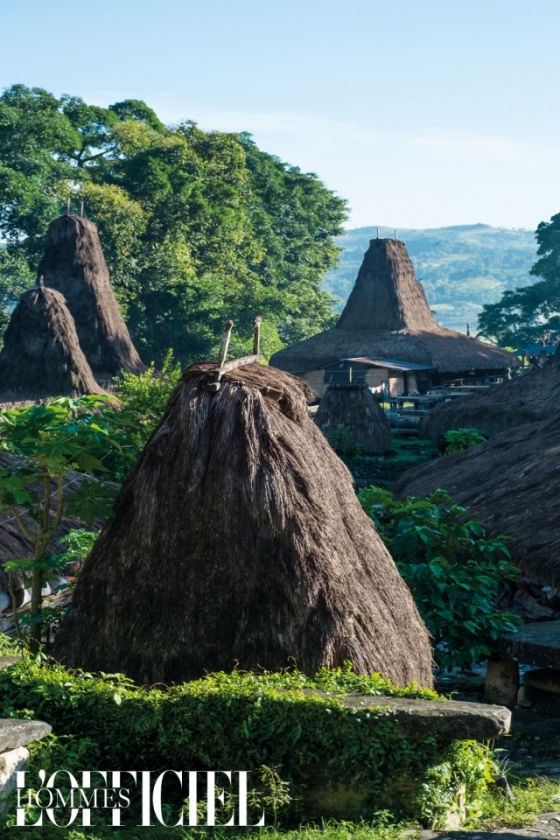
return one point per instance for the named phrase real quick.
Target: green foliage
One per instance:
(142, 399)
(461, 267)
(458, 439)
(453, 569)
(196, 226)
(79, 543)
(525, 315)
(47, 441)
(247, 721)
(339, 437)
(531, 798)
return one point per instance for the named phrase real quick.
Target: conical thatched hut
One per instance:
(511, 483)
(238, 538)
(527, 399)
(387, 324)
(41, 354)
(74, 264)
(353, 407)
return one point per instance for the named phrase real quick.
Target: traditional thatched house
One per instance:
(352, 407)
(387, 333)
(74, 264)
(41, 355)
(238, 540)
(511, 483)
(531, 397)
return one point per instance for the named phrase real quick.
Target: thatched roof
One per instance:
(353, 406)
(526, 399)
(511, 483)
(238, 538)
(41, 354)
(387, 315)
(73, 263)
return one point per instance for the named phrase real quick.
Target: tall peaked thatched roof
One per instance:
(41, 354)
(74, 264)
(387, 315)
(531, 397)
(238, 538)
(353, 407)
(511, 483)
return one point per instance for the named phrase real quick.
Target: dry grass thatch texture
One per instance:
(511, 483)
(387, 316)
(238, 539)
(527, 399)
(74, 264)
(353, 406)
(41, 354)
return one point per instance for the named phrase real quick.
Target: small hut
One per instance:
(526, 399)
(41, 354)
(353, 407)
(511, 483)
(387, 333)
(74, 264)
(238, 541)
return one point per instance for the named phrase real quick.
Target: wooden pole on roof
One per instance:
(257, 335)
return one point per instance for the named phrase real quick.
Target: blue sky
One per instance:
(420, 112)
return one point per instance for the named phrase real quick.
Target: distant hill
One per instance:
(460, 267)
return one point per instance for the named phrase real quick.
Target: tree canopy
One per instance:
(525, 315)
(196, 226)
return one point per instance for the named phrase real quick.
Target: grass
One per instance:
(329, 831)
(531, 798)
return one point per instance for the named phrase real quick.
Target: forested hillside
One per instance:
(461, 267)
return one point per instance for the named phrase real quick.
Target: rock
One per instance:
(444, 721)
(544, 678)
(6, 661)
(18, 733)
(533, 644)
(502, 682)
(10, 763)
(525, 696)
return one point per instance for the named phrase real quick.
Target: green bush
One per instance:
(143, 399)
(459, 439)
(245, 721)
(452, 568)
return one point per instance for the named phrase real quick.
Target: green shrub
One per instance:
(143, 399)
(459, 439)
(453, 569)
(245, 721)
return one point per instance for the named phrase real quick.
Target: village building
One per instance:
(387, 335)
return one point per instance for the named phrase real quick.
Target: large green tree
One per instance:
(196, 226)
(524, 315)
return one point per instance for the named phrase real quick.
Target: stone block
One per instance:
(502, 682)
(18, 733)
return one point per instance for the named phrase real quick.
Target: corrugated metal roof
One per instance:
(395, 364)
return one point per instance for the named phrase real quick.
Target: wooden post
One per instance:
(257, 335)
(226, 335)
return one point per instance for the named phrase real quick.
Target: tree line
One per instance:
(522, 316)
(197, 226)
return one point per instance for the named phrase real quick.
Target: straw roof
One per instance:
(387, 315)
(238, 539)
(74, 264)
(531, 397)
(511, 483)
(41, 355)
(353, 406)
